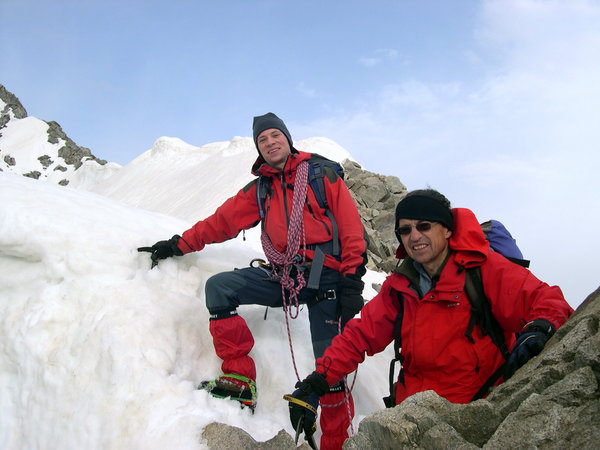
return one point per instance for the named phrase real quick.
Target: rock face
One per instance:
(553, 402)
(72, 153)
(13, 104)
(219, 436)
(376, 197)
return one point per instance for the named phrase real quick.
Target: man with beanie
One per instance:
(299, 240)
(426, 297)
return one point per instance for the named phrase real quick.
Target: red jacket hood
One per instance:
(467, 241)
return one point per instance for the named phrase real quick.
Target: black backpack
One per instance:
(502, 242)
(318, 167)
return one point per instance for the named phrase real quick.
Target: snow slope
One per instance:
(98, 351)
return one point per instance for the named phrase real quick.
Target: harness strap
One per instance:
(316, 269)
(335, 240)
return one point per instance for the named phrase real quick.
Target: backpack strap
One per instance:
(316, 173)
(316, 268)
(481, 311)
(390, 401)
(481, 314)
(489, 383)
(263, 187)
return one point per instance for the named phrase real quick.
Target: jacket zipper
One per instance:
(285, 207)
(310, 210)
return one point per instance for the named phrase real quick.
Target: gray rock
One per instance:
(12, 104)
(33, 174)
(45, 161)
(376, 197)
(552, 402)
(219, 436)
(72, 153)
(9, 160)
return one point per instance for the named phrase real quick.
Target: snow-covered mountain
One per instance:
(98, 351)
(190, 182)
(41, 150)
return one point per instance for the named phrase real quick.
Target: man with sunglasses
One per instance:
(438, 245)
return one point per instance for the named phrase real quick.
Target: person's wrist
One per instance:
(539, 326)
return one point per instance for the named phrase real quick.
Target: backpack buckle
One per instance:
(330, 294)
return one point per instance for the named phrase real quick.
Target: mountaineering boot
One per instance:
(232, 386)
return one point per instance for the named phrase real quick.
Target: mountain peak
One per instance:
(34, 148)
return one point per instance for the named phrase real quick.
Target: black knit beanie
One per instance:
(269, 120)
(425, 207)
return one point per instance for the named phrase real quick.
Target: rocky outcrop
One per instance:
(553, 402)
(13, 105)
(72, 153)
(73, 156)
(219, 436)
(376, 197)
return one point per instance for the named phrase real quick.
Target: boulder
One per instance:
(376, 197)
(552, 402)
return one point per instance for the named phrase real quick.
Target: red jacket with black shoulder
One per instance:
(241, 212)
(437, 354)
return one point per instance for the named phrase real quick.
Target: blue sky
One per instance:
(495, 103)
(116, 75)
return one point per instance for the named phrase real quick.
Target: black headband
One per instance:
(420, 207)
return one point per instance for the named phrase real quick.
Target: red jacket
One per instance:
(437, 354)
(240, 212)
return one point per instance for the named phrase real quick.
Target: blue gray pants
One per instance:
(233, 340)
(251, 286)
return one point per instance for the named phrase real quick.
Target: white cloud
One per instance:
(304, 90)
(381, 55)
(369, 62)
(388, 53)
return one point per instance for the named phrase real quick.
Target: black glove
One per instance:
(529, 343)
(351, 301)
(163, 249)
(304, 401)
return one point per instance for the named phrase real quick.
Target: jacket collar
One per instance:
(260, 167)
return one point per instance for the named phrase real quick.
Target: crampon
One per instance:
(234, 387)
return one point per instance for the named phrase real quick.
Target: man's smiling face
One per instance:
(427, 247)
(274, 147)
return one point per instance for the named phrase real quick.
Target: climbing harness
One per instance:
(295, 257)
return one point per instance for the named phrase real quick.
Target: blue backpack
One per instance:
(502, 242)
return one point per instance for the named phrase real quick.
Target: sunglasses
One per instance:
(405, 230)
